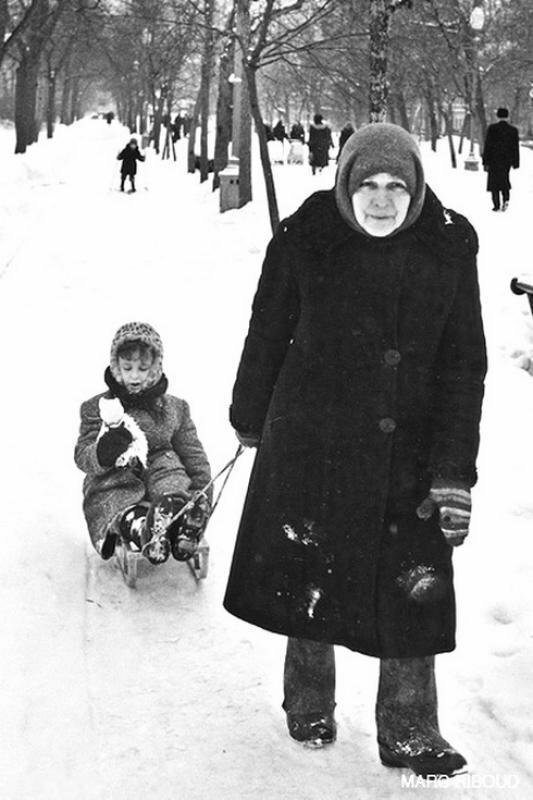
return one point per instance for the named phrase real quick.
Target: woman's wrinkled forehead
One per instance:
(384, 179)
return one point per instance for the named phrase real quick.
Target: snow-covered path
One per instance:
(113, 693)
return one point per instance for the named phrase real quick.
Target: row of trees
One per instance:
(354, 60)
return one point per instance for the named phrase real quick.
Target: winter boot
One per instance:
(309, 688)
(106, 546)
(157, 548)
(187, 531)
(311, 730)
(132, 527)
(407, 723)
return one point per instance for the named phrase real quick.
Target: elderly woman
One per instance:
(361, 383)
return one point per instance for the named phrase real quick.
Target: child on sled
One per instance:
(142, 458)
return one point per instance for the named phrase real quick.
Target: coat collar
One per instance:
(319, 225)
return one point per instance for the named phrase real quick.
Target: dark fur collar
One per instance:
(145, 400)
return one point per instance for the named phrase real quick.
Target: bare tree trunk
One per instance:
(224, 111)
(75, 111)
(263, 149)
(51, 102)
(379, 42)
(480, 108)
(464, 130)
(432, 121)
(191, 156)
(447, 114)
(402, 110)
(205, 90)
(242, 123)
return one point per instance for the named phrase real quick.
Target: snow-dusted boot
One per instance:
(309, 692)
(132, 526)
(311, 730)
(187, 531)
(157, 547)
(407, 722)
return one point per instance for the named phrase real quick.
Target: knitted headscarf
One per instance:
(138, 332)
(379, 147)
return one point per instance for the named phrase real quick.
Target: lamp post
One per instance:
(477, 21)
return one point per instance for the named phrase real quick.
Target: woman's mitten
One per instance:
(452, 499)
(248, 439)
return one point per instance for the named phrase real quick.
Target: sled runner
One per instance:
(127, 556)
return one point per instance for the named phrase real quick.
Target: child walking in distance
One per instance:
(141, 456)
(129, 157)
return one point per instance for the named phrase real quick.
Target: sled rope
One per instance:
(228, 468)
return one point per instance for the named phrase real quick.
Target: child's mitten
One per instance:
(112, 444)
(454, 504)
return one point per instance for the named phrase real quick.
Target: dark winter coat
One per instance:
(129, 157)
(177, 463)
(345, 134)
(297, 132)
(279, 131)
(363, 372)
(500, 153)
(319, 143)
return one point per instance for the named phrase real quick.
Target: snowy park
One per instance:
(150, 151)
(110, 692)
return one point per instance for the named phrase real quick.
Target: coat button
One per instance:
(387, 425)
(392, 358)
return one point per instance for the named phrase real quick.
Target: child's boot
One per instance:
(160, 516)
(132, 526)
(189, 528)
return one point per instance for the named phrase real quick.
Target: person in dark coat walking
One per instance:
(500, 152)
(129, 157)
(279, 131)
(319, 143)
(361, 383)
(345, 134)
(297, 132)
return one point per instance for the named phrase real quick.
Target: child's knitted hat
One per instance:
(138, 332)
(379, 147)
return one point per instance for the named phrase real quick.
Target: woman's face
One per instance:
(380, 204)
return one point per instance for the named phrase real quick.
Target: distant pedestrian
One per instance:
(319, 143)
(268, 132)
(176, 127)
(129, 157)
(279, 131)
(346, 132)
(297, 132)
(109, 117)
(500, 153)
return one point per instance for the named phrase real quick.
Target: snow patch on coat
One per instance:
(112, 414)
(314, 593)
(309, 535)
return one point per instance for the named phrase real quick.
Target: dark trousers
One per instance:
(407, 693)
(123, 176)
(496, 197)
(309, 678)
